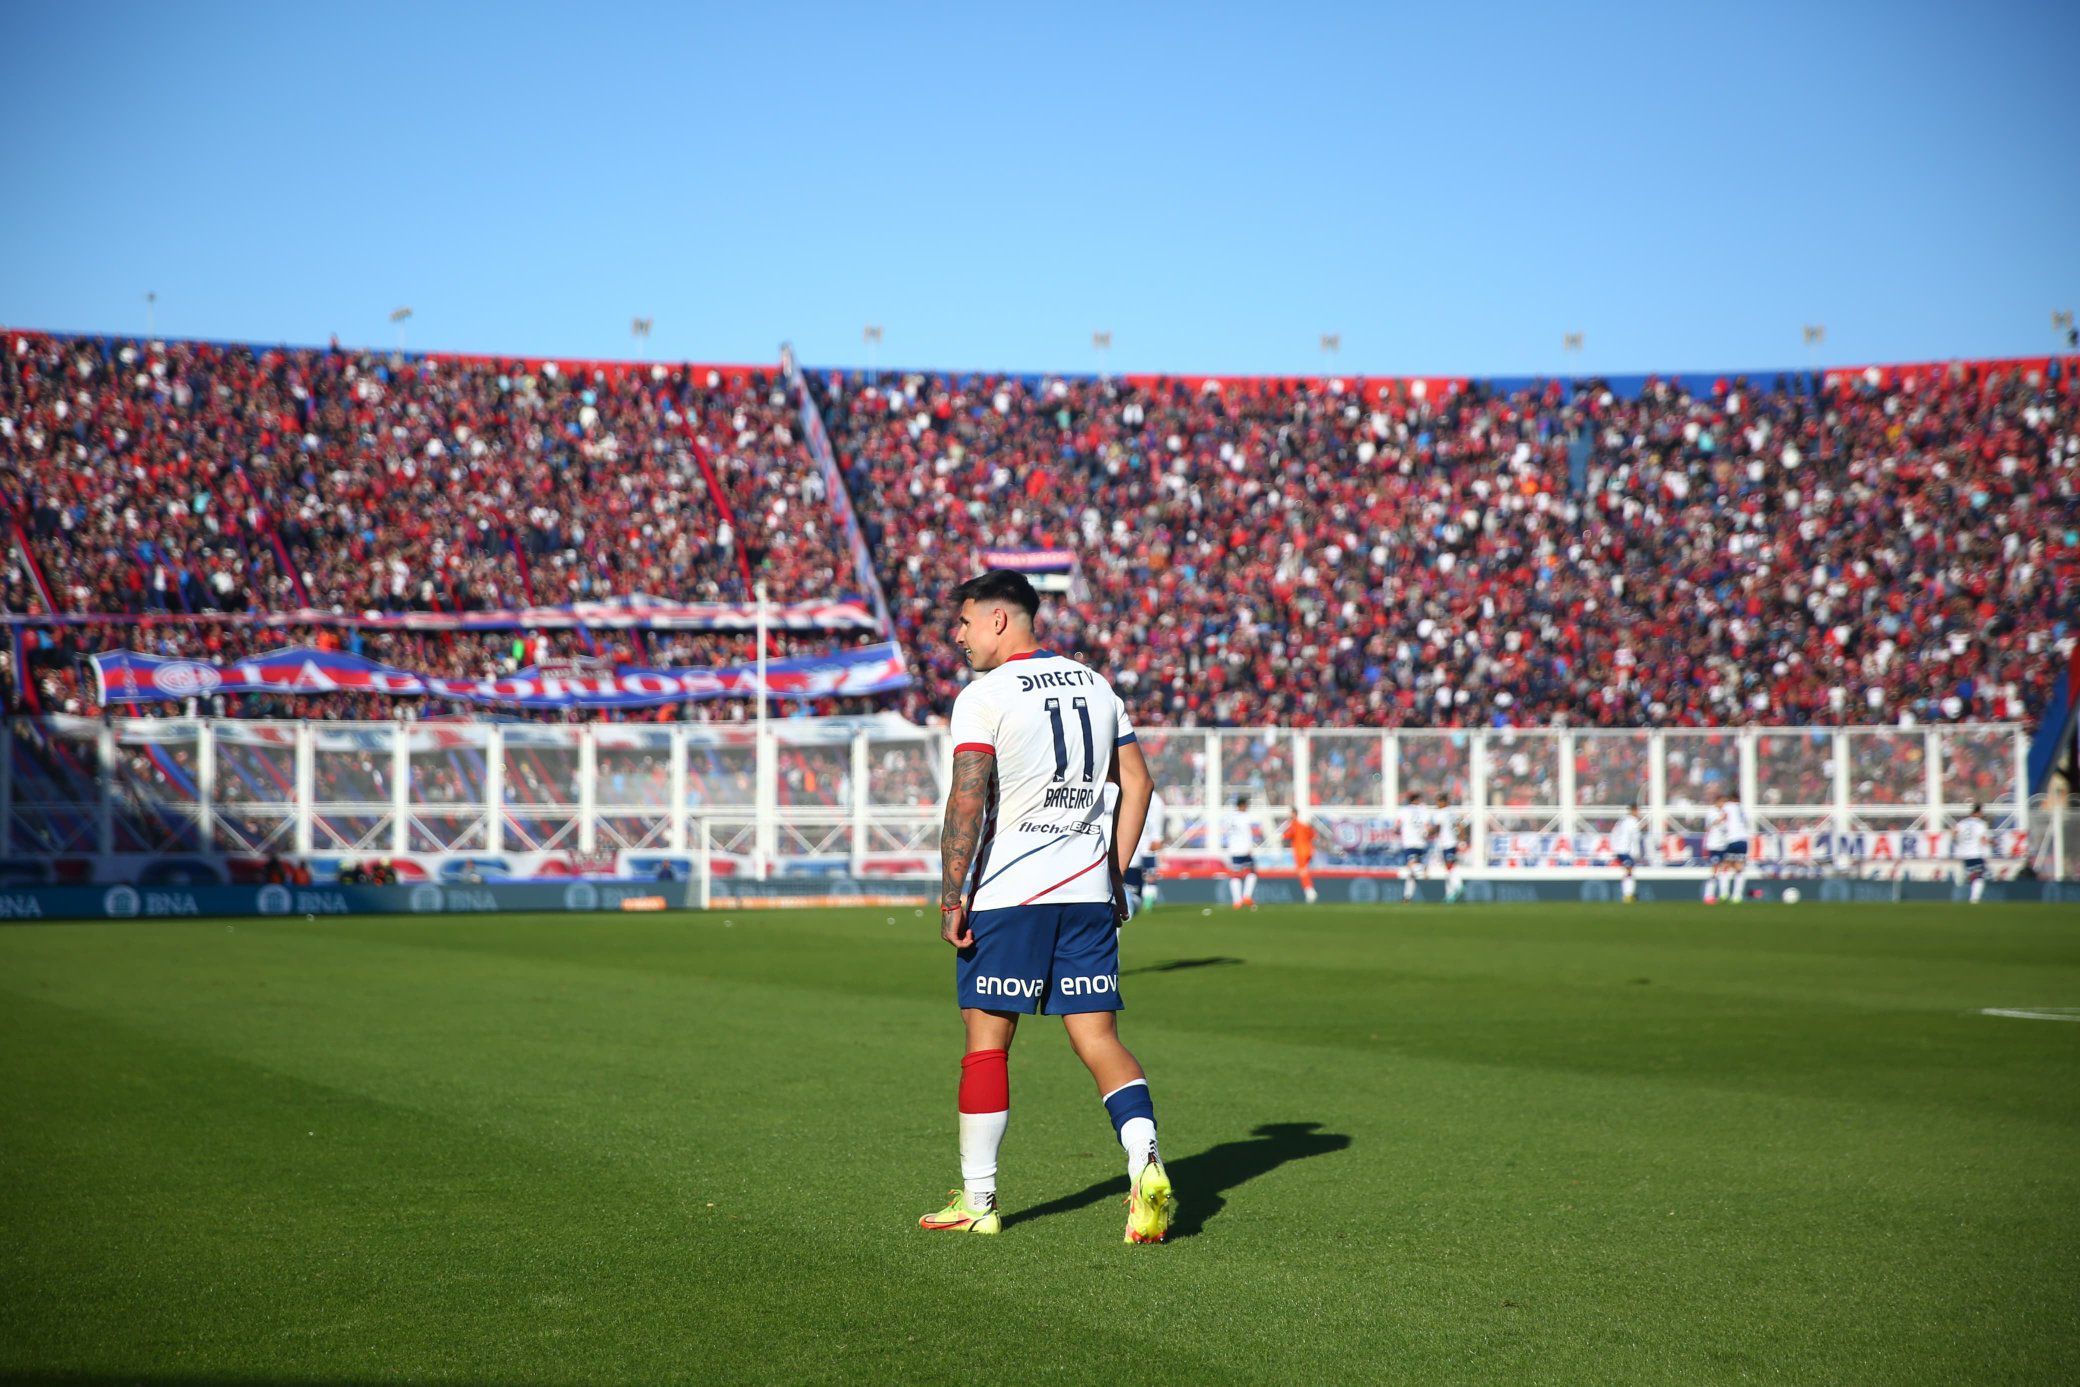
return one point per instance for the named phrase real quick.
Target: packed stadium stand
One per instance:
(1861, 548)
(1900, 543)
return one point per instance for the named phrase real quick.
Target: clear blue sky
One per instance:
(1451, 188)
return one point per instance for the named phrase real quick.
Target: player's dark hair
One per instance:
(1242, 801)
(999, 585)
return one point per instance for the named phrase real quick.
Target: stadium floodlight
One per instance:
(1101, 343)
(2062, 326)
(1815, 334)
(640, 327)
(1332, 342)
(871, 334)
(1571, 342)
(400, 316)
(151, 315)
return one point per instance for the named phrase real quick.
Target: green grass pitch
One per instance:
(1657, 1144)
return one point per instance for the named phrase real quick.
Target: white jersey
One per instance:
(1151, 829)
(1239, 836)
(1626, 835)
(1715, 830)
(1414, 821)
(1970, 837)
(1736, 823)
(1054, 725)
(1446, 821)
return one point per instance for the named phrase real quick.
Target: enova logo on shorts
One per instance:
(1093, 986)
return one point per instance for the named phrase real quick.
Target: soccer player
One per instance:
(1141, 873)
(1033, 888)
(1627, 837)
(1239, 838)
(1300, 833)
(1414, 824)
(1714, 853)
(1445, 827)
(1969, 838)
(1733, 819)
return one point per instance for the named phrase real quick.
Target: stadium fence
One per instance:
(205, 800)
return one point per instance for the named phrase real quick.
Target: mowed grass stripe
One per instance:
(1461, 1179)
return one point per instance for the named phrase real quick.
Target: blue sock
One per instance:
(1133, 1114)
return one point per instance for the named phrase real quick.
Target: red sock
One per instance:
(986, 1081)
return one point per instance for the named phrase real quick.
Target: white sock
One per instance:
(1451, 880)
(1408, 886)
(1628, 888)
(1137, 1137)
(1148, 896)
(1711, 887)
(1978, 889)
(981, 1134)
(1235, 890)
(1249, 887)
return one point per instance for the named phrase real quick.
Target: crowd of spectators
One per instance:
(1867, 549)
(181, 478)
(1861, 550)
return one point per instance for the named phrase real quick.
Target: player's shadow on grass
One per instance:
(1204, 1180)
(1178, 965)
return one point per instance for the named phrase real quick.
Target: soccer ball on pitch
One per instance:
(1791, 895)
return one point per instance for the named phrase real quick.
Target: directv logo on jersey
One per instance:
(1070, 797)
(1055, 679)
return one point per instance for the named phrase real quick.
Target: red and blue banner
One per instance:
(1029, 560)
(632, 613)
(125, 676)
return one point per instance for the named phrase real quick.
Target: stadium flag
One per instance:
(127, 675)
(1051, 570)
(836, 493)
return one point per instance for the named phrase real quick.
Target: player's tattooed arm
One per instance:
(960, 837)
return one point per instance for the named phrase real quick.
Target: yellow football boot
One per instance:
(959, 1217)
(1150, 1205)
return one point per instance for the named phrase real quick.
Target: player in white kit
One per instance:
(1032, 888)
(1141, 868)
(1445, 836)
(1971, 842)
(1730, 859)
(1413, 825)
(1627, 846)
(1239, 838)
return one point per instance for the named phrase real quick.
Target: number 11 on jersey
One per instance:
(1061, 740)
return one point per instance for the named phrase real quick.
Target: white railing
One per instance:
(864, 793)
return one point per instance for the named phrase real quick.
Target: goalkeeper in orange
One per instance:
(1300, 834)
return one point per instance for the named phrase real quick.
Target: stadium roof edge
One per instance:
(1627, 384)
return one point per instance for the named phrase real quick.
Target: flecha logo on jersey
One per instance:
(1094, 986)
(1055, 679)
(1008, 987)
(1070, 797)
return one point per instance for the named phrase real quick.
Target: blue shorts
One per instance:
(1412, 857)
(1242, 864)
(1739, 849)
(1052, 959)
(1974, 868)
(1624, 859)
(1450, 854)
(1134, 877)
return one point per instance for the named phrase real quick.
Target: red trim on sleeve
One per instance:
(984, 747)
